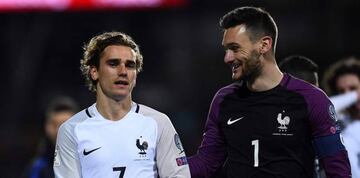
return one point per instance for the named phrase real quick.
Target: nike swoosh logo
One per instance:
(88, 152)
(229, 122)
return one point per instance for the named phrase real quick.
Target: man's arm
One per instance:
(333, 156)
(170, 156)
(343, 101)
(212, 152)
(66, 162)
(353, 148)
(326, 137)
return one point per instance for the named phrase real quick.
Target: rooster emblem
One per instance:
(283, 121)
(142, 146)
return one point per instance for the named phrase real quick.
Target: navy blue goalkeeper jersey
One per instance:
(271, 134)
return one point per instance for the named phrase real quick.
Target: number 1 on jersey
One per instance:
(256, 152)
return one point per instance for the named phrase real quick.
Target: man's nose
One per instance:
(122, 70)
(229, 56)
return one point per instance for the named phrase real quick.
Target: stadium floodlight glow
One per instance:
(64, 5)
(128, 3)
(37, 4)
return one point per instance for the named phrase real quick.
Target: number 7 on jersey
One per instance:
(121, 169)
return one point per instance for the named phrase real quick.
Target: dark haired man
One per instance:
(116, 137)
(301, 67)
(307, 70)
(266, 122)
(58, 111)
(304, 68)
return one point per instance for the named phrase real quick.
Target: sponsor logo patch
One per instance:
(85, 153)
(333, 130)
(229, 122)
(181, 161)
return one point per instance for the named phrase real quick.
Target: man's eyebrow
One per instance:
(115, 59)
(230, 45)
(134, 61)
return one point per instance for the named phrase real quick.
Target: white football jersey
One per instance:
(143, 144)
(351, 136)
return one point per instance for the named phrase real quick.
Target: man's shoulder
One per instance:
(304, 88)
(296, 83)
(76, 119)
(161, 119)
(151, 112)
(229, 89)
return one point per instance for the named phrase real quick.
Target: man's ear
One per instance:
(93, 73)
(266, 44)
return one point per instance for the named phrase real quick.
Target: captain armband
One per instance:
(328, 145)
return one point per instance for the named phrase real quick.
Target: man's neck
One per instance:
(269, 77)
(113, 109)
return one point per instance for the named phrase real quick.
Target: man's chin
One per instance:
(120, 96)
(240, 77)
(236, 77)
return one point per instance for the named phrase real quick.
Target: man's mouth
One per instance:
(235, 66)
(122, 82)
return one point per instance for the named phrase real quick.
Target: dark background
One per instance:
(183, 60)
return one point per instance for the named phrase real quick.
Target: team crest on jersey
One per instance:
(57, 156)
(332, 113)
(283, 122)
(143, 146)
(178, 143)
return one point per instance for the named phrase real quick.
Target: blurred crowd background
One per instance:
(40, 53)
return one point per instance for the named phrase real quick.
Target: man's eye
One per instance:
(131, 65)
(113, 63)
(234, 48)
(352, 88)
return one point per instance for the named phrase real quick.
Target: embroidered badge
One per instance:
(181, 161)
(142, 146)
(284, 122)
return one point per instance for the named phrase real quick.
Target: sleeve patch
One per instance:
(181, 161)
